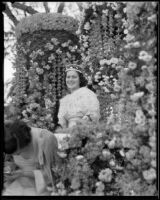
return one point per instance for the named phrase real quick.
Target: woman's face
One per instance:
(72, 80)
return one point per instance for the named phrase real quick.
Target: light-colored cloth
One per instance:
(74, 106)
(44, 144)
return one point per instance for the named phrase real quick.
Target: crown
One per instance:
(74, 67)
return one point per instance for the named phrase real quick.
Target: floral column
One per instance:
(45, 44)
(101, 37)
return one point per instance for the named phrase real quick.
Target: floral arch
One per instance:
(45, 44)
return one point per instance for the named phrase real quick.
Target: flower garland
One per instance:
(101, 33)
(47, 21)
(40, 69)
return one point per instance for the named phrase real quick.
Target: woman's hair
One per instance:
(16, 135)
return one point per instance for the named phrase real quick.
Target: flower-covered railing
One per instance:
(119, 157)
(45, 44)
(101, 33)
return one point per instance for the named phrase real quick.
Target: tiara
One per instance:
(74, 67)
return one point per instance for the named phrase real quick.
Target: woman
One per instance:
(81, 104)
(34, 152)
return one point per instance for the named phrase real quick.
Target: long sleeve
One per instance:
(61, 114)
(91, 103)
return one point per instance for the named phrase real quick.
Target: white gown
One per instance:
(76, 105)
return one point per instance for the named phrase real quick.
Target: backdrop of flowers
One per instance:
(45, 44)
(118, 157)
(101, 33)
(118, 47)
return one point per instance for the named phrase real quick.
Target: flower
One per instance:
(140, 118)
(125, 31)
(130, 154)
(48, 117)
(39, 71)
(117, 127)
(136, 96)
(64, 44)
(106, 154)
(149, 175)
(87, 26)
(117, 88)
(105, 175)
(47, 67)
(143, 55)
(136, 44)
(112, 163)
(99, 135)
(129, 37)
(152, 18)
(55, 41)
(132, 65)
(100, 186)
(114, 60)
(79, 157)
(75, 184)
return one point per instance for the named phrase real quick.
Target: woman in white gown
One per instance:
(81, 104)
(34, 152)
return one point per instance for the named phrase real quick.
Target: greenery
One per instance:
(116, 157)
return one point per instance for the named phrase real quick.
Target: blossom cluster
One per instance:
(47, 21)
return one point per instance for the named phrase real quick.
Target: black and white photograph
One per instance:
(80, 98)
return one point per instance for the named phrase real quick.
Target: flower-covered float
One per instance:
(117, 157)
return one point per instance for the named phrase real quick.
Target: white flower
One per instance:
(117, 88)
(143, 55)
(144, 67)
(102, 62)
(136, 96)
(111, 144)
(112, 163)
(149, 175)
(39, 71)
(105, 11)
(114, 60)
(140, 118)
(87, 26)
(106, 153)
(106, 89)
(79, 157)
(55, 41)
(101, 83)
(124, 10)
(48, 117)
(47, 67)
(64, 44)
(129, 37)
(117, 127)
(125, 31)
(132, 65)
(58, 51)
(152, 18)
(105, 175)
(99, 135)
(117, 16)
(136, 44)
